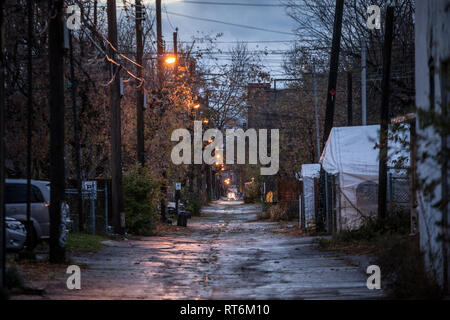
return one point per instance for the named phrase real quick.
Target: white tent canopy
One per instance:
(350, 154)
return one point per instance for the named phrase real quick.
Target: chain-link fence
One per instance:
(399, 192)
(336, 209)
(96, 204)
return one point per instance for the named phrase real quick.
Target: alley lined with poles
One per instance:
(227, 253)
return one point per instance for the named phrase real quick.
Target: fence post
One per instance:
(91, 196)
(327, 214)
(388, 192)
(106, 205)
(300, 211)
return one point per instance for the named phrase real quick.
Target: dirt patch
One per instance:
(289, 229)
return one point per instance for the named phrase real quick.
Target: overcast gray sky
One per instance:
(265, 17)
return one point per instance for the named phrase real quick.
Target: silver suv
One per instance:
(16, 206)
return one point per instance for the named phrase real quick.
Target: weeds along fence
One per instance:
(96, 204)
(335, 209)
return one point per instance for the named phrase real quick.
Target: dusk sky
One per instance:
(266, 17)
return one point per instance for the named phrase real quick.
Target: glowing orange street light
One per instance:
(170, 60)
(196, 106)
(206, 121)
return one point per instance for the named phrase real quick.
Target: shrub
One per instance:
(402, 264)
(192, 201)
(264, 213)
(278, 212)
(373, 228)
(403, 271)
(141, 192)
(251, 192)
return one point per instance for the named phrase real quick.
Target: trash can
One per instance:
(182, 219)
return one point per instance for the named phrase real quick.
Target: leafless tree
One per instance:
(315, 28)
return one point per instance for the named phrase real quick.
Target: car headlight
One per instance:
(15, 225)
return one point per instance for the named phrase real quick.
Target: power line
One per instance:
(246, 41)
(230, 24)
(234, 4)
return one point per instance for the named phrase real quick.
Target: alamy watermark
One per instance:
(213, 152)
(74, 280)
(374, 20)
(73, 21)
(374, 280)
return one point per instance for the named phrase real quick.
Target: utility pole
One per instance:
(175, 50)
(334, 63)
(316, 112)
(140, 91)
(349, 98)
(363, 83)
(95, 13)
(76, 136)
(29, 226)
(56, 100)
(159, 41)
(384, 120)
(2, 149)
(118, 213)
(160, 51)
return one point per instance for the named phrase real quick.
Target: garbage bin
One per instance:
(182, 219)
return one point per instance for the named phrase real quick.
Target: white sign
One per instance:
(91, 186)
(177, 186)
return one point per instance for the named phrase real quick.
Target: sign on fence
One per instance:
(91, 187)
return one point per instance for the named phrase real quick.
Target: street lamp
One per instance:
(170, 60)
(196, 106)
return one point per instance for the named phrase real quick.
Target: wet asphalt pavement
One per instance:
(225, 254)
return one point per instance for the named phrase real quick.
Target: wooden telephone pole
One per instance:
(382, 172)
(56, 101)
(159, 42)
(30, 26)
(118, 214)
(160, 76)
(140, 91)
(2, 149)
(334, 63)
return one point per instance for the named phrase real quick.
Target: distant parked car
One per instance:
(16, 207)
(16, 234)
